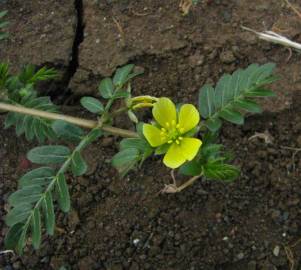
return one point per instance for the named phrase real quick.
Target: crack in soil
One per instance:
(78, 39)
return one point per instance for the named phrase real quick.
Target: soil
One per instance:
(253, 223)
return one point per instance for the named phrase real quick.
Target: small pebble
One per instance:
(276, 251)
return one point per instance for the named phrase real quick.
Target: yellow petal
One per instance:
(153, 135)
(189, 117)
(164, 112)
(174, 157)
(190, 147)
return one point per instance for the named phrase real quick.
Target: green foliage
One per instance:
(19, 90)
(33, 127)
(48, 154)
(3, 25)
(211, 162)
(93, 105)
(234, 94)
(125, 160)
(106, 88)
(132, 151)
(33, 204)
(67, 131)
(41, 190)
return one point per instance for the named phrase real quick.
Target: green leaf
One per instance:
(191, 168)
(209, 151)
(139, 128)
(132, 116)
(106, 88)
(214, 124)
(63, 193)
(121, 94)
(78, 164)
(22, 241)
(162, 149)
(11, 119)
(221, 91)
(33, 127)
(3, 13)
(43, 74)
(93, 135)
(13, 236)
(4, 24)
(93, 105)
(18, 214)
(121, 75)
(40, 176)
(134, 74)
(220, 171)
(47, 205)
(30, 194)
(67, 131)
(206, 101)
(36, 228)
(49, 154)
(138, 143)
(3, 35)
(232, 116)
(247, 105)
(260, 93)
(126, 160)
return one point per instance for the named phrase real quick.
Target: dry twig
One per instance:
(275, 38)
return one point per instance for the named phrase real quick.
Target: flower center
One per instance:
(172, 133)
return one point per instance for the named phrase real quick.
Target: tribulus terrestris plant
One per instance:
(184, 134)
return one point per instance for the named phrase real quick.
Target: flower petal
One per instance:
(174, 157)
(190, 147)
(189, 117)
(153, 135)
(164, 112)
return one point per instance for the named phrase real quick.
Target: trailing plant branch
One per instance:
(185, 134)
(86, 123)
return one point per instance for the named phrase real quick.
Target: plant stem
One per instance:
(188, 183)
(86, 123)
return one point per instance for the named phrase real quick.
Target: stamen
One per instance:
(180, 138)
(162, 133)
(170, 141)
(163, 129)
(177, 142)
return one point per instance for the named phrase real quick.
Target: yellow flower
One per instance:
(172, 130)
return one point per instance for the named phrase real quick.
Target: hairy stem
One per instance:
(86, 123)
